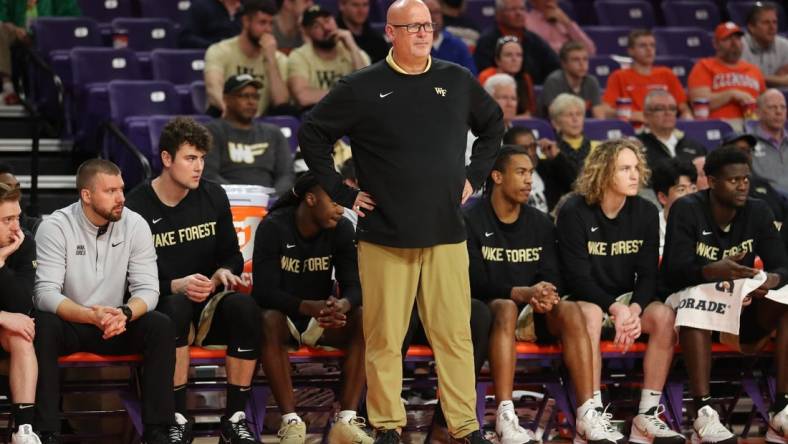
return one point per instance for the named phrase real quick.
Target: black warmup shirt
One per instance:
(408, 135)
(195, 236)
(288, 268)
(503, 255)
(603, 258)
(693, 239)
(17, 277)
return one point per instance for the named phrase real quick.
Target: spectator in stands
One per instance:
(199, 274)
(573, 78)
(714, 237)
(245, 151)
(549, 21)
(287, 27)
(760, 188)
(302, 243)
(208, 22)
(17, 328)
(670, 179)
(7, 177)
(514, 269)
(763, 47)
(730, 84)
(768, 157)
(328, 55)
(660, 137)
(503, 89)
(608, 238)
(702, 183)
(251, 52)
(509, 60)
(15, 19)
(89, 255)
(539, 60)
(445, 45)
(458, 24)
(354, 16)
(641, 78)
(567, 114)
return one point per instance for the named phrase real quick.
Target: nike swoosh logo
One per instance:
(486, 234)
(290, 245)
(244, 350)
(706, 233)
(594, 229)
(116, 244)
(385, 95)
(155, 221)
(22, 407)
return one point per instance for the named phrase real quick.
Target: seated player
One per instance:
(199, 263)
(713, 236)
(297, 248)
(608, 239)
(17, 329)
(514, 268)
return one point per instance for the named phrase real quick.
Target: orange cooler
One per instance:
(248, 204)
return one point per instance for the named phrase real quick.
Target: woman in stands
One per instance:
(567, 115)
(297, 248)
(608, 239)
(509, 60)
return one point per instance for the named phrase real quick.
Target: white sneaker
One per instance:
(25, 435)
(648, 428)
(595, 428)
(509, 430)
(778, 428)
(707, 429)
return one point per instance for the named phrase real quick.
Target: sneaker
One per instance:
(234, 430)
(158, 434)
(707, 429)
(507, 426)
(387, 436)
(778, 428)
(294, 432)
(25, 435)
(474, 437)
(649, 428)
(181, 431)
(595, 428)
(349, 432)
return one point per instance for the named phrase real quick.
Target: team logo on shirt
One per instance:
(327, 79)
(598, 248)
(514, 256)
(713, 253)
(80, 250)
(295, 265)
(243, 153)
(440, 91)
(734, 79)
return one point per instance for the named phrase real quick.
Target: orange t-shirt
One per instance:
(712, 73)
(630, 83)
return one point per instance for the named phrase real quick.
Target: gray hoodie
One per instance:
(78, 263)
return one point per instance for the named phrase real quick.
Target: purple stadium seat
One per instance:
(146, 34)
(540, 127)
(482, 12)
(595, 129)
(64, 33)
(179, 66)
(691, 13)
(199, 98)
(738, 10)
(681, 66)
(105, 10)
(601, 67)
(629, 13)
(707, 132)
(289, 126)
(608, 39)
(132, 98)
(169, 9)
(689, 42)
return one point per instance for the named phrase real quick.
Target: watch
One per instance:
(126, 311)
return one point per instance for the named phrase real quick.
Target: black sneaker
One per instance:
(49, 438)
(181, 431)
(475, 437)
(156, 434)
(234, 430)
(387, 436)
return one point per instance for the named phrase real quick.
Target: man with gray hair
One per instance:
(770, 153)
(660, 136)
(763, 47)
(90, 254)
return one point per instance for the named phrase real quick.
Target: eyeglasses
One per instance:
(248, 96)
(662, 109)
(414, 28)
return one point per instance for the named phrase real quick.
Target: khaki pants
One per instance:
(6, 40)
(437, 279)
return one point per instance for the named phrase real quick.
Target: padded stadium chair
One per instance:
(64, 33)
(289, 126)
(738, 10)
(105, 10)
(181, 67)
(603, 129)
(169, 9)
(681, 66)
(608, 39)
(691, 13)
(199, 97)
(629, 13)
(601, 67)
(540, 127)
(689, 42)
(482, 12)
(146, 34)
(707, 132)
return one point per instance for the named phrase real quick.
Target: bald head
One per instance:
(771, 109)
(410, 48)
(401, 11)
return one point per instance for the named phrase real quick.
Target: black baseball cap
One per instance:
(238, 81)
(312, 13)
(252, 6)
(735, 136)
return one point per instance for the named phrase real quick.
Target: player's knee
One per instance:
(504, 313)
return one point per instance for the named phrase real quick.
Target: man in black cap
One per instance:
(328, 55)
(245, 151)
